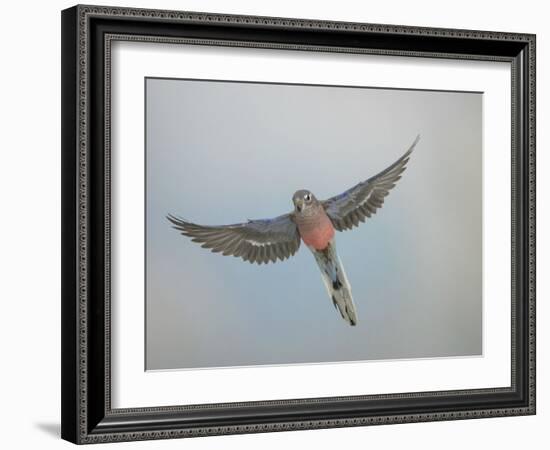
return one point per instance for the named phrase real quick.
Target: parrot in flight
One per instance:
(312, 221)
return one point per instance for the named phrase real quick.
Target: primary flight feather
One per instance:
(314, 222)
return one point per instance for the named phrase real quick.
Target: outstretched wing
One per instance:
(362, 200)
(256, 241)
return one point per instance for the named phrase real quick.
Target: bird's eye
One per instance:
(307, 197)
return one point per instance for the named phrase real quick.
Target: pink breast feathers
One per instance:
(318, 233)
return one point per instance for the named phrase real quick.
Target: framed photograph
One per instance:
(278, 224)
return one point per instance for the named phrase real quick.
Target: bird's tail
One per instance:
(336, 282)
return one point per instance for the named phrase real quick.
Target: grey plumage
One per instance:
(336, 282)
(269, 240)
(363, 200)
(313, 221)
(256, 241)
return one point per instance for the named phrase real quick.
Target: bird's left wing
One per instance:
(362, 200)
(256, 241)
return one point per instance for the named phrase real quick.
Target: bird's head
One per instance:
(303, 199)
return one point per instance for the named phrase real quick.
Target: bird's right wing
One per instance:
(256, 241)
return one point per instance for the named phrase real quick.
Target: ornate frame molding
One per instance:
(85, 421)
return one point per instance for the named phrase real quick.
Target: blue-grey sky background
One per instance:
(222, 152)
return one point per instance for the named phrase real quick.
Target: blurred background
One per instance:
(224, 152)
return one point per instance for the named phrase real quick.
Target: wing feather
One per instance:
(256, 241)
(353, 206)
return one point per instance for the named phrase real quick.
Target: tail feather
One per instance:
(336, 282)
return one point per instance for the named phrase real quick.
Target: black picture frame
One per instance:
(87, 416)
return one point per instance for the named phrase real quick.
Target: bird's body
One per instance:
(317, 232)
(314, 222)
(315, 227)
